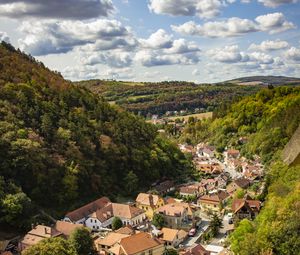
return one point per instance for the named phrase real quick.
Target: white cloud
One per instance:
(158, 40)
(58, 9)
(293, 54)
(201, 8)
(228, 54)
(113, 58)
(80, 72)
(276, 3)
(269, 45)
(150, 58)
(181, 46)
(196, 72)
(4, 37)
(272, 23)
(50, 37)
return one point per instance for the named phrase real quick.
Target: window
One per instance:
(95, 221)
(150, 252)
(91, 220)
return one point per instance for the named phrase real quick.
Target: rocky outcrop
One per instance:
(291, 152)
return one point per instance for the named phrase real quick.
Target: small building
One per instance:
(104, 244)
(66, 228)
(80, 215)
(164, 187)
(176, 215)
(140, 244)
(231, 154)
(197, 249)
(172, 237)
(192, 190)
(213, 201)
(37, 234)
(149, 203)
(240, 183)
(245, 208)
(103, 218)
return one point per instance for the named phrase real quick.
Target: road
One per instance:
(192, 240)
(218, 240)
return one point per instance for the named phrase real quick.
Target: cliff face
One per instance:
(291, 152)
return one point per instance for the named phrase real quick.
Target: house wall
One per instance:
(149, 211)
(95, 225)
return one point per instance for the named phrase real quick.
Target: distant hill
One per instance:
(265, 80)
(148, 98)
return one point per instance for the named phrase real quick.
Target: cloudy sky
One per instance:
(153, 40)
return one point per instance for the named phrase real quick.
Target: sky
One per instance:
(156, 40)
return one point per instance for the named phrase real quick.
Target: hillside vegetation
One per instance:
(62, 147)
(158, 98)
(267, 120)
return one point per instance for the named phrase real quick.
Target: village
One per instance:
(190, 218)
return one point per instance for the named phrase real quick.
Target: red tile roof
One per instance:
(88, 209)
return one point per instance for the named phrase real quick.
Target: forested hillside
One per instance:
(61, 145)
(158, 98)
(266, 121)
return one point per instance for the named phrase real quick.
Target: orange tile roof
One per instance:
(111, 239)
(138, 243)
(171, 235)
(125, 230)
(66, 228)
(39, 233)
(254, 205)
(175, 209)
(147, 199)
(117, 210)
(88, 209)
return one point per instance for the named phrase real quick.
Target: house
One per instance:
(140, 244)
(104, 244)
(240, 183)
(192, 190)
(165, 187)
(197, 249)
(173, 237)
(80, 215)
(209, 184)
(37, 234)
(185, 148)
(210, 168)
(231, 154)
(222, 180)
(176, 215)
(149, 203)
(127, 230)
(103, 217)
(213, 201)
(245, 208)
(66, 228)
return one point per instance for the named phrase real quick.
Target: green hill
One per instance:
(61, 145)
(267, 120)
(159, 98)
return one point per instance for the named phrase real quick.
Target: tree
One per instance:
(158, 220)
(82, 242)
(215, 224)
(51, 246)
(131, 182)
(116, 223)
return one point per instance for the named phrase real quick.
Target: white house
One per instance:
(80, 215)
(103, 218)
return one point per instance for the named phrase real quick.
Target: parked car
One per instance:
(192, 232)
